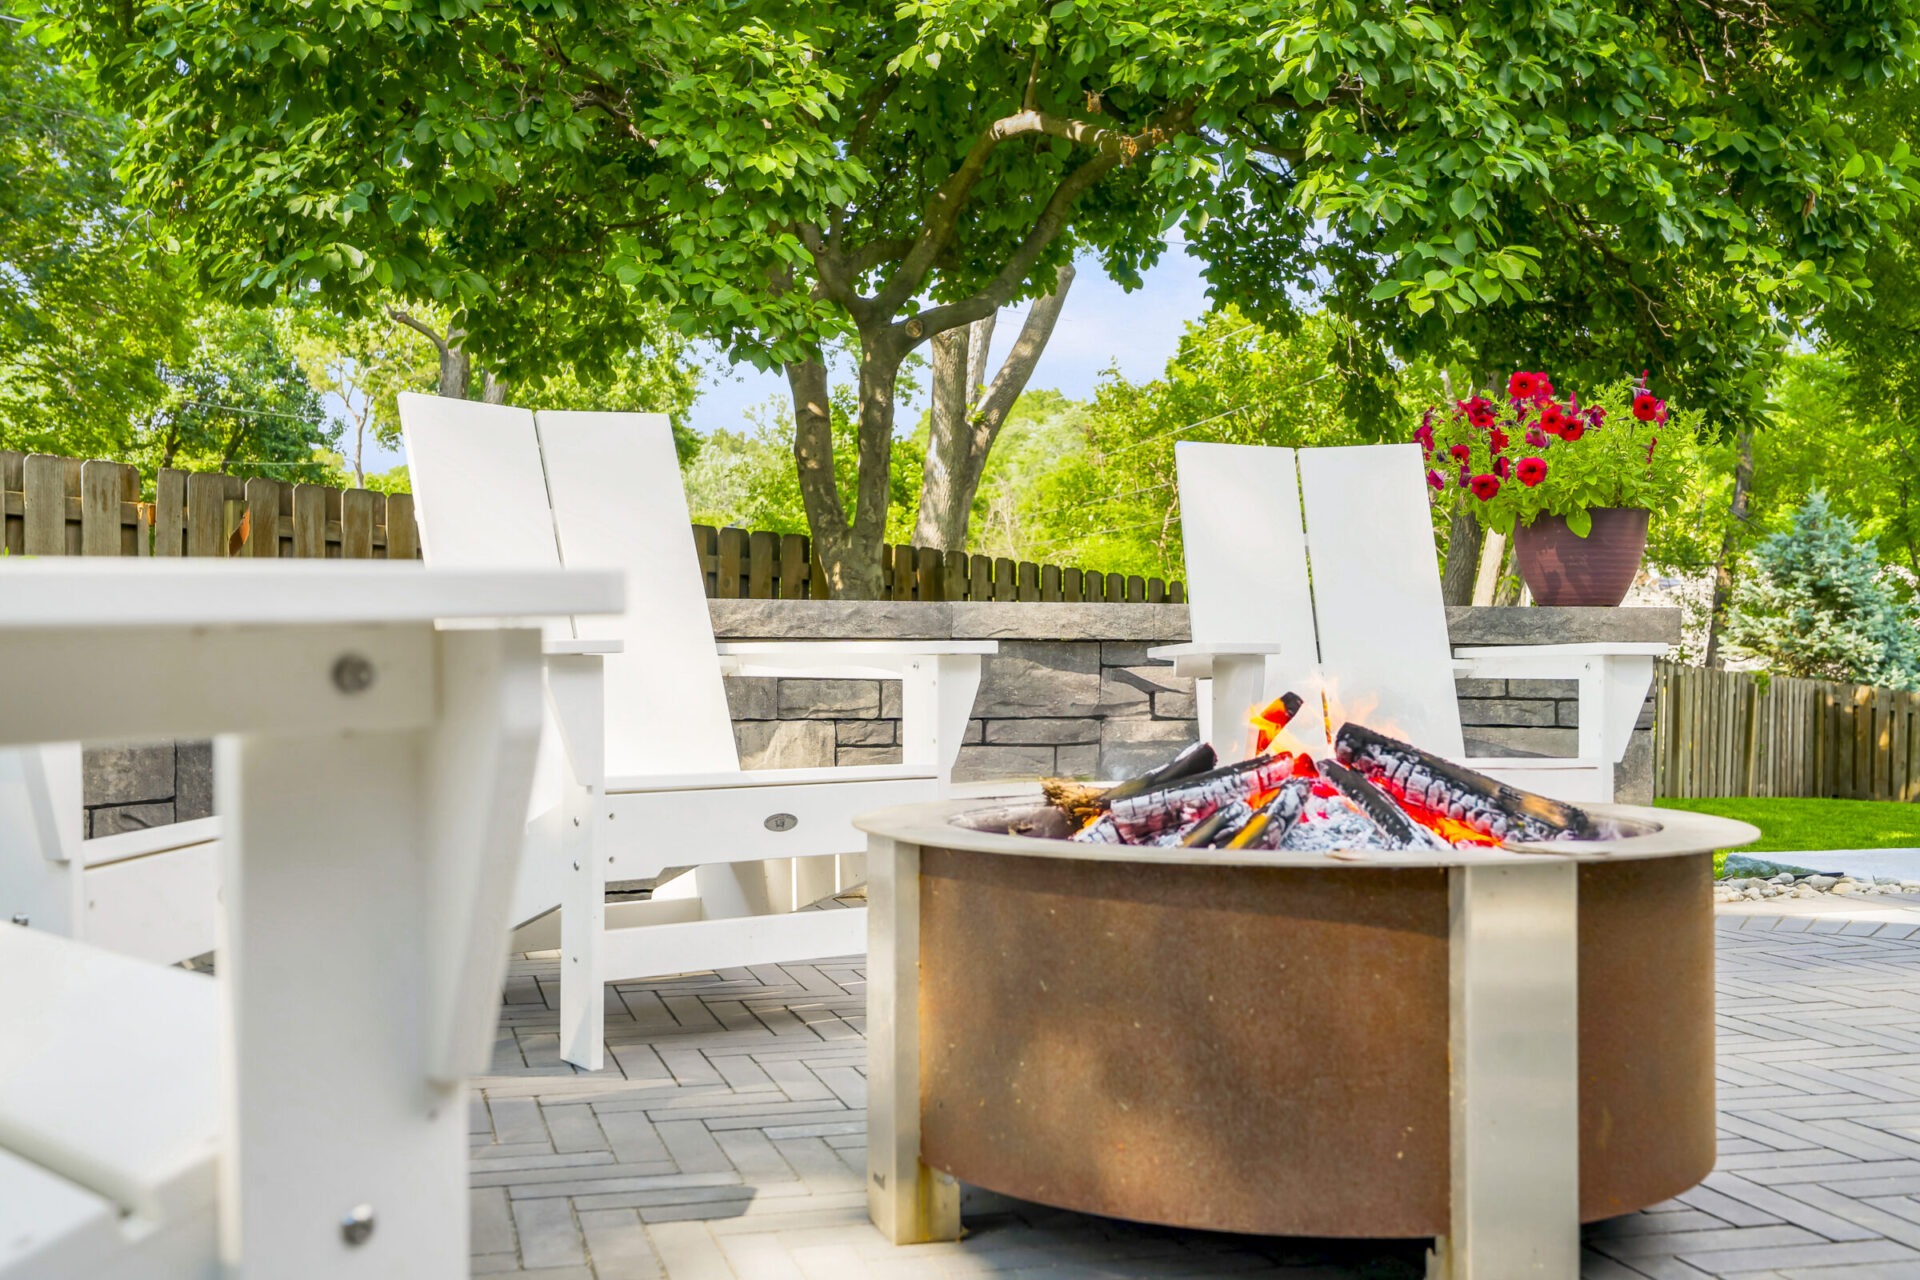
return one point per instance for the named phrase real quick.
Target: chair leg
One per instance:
(583, 925)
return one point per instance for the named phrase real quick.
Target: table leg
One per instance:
(910, 1203)
(366, 879)
(1513, 950)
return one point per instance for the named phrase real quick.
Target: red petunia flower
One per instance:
(1531, 471)
(1572, 431)
(1552, 419)
(1645, 405)
(1485, 486)
(1501, 467)
(1466, 476)
(1536, 437)
(1483, 417)
(1660, 412)
(1498, 439)
(1650, 443)
(1461, 452)
(1425, 436)
(1434, 480)
(1596, 415)
(1523, 386)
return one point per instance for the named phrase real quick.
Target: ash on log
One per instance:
(1139, 818)
(1397, 830)
(1420, 780)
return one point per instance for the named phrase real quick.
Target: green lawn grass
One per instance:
(1796, 825)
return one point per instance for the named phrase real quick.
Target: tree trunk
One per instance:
(1729, 546)
(1464, 536)
(967, 415)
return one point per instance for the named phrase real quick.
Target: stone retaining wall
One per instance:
(1071, 692)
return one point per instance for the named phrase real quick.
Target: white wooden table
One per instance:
(373, 772)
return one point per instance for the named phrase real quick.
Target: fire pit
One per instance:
(1485, 1043)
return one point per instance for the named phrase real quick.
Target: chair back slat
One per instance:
(478, 490)
(1245, 551)
(1376, 591)
(614, 480)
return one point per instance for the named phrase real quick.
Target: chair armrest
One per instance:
(1196, 658)
(565, 648)
(829, 659)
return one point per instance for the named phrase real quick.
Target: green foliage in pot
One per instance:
(1512, 458)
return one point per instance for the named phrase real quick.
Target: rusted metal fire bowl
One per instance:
(1259, 1042)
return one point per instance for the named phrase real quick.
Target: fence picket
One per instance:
(403, 535)
(44, 489)
(360, 510)
(103, 487)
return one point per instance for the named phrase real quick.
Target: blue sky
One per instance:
(1100, 326)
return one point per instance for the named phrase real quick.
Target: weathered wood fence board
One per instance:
(66, 506)
(781, 566)
(1735, 733)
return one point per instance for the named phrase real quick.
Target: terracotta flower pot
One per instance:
(1562, 568)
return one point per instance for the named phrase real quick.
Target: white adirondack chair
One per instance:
(109, 1114)
(652, 778)
(1315, 570)
(151, 893)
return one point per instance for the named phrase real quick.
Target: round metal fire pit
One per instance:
(1260, 1042)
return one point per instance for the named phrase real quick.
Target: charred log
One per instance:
(1420, 780)
(1141, 817)
(1196, 759)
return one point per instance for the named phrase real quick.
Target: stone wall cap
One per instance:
(1155, 623)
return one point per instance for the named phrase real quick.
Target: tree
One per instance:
(239, 403)
(364, 362)
(1111, 501)
(784, 176)
(968, 413)
(1818, 607)
(83, 329)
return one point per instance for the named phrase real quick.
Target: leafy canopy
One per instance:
(1597, 182)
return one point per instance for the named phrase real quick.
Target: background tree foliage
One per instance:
(1596, 184)
(83, 335)
(1817, 606)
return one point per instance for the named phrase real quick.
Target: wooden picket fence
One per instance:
(52, 506)
(69, 506)
(1735, 733)
(771, 566)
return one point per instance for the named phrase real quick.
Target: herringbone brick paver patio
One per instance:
(726, 1139)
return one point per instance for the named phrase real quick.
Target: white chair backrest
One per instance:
(478, 488)
(1330, 553)
(618, 504)
(498, 486)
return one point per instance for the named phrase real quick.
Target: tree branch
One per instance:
(1113, 146)
(1047, 226)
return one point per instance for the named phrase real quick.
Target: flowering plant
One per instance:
(1513, 457)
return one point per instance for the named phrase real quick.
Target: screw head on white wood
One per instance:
(781, 822)
(20, 918)
(357, 1225)
(352, 673)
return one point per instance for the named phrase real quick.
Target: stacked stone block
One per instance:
(1068, 708)
(134, 786)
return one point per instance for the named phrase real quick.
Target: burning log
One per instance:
(1266, 829)
(1196, 759)
(1397, 830)
(1423, 783)
(1215, 831)
(1141, 817)
(1100, 831)
(1272, 718)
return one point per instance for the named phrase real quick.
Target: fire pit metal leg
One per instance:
(1513, 994)
(910, 1203)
